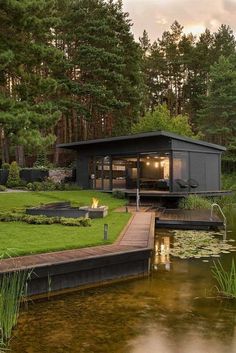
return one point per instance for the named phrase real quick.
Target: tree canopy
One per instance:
(161, 119)
(73, 70)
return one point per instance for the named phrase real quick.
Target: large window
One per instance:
(148, 171)
(155, 171)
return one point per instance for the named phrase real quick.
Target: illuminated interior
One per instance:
(147, 171)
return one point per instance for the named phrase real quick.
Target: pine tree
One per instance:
(28, 105)
(217, 117)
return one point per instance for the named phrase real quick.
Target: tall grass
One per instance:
(194, 202)
(226, 280)
(12, 290)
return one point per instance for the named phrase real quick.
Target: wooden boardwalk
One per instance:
(137, 235)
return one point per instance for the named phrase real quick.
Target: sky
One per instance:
(157, 16)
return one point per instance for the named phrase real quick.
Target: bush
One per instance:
(46, 185)
(118, 194)
(2, 188)
(19, 217)
(194, 202)
(81, 221)
(6, 166)
(14, 180)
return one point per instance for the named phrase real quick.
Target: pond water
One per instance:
(172, 311)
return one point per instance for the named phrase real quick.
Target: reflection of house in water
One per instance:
(162, 252)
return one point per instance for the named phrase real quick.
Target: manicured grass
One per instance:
(18, 238)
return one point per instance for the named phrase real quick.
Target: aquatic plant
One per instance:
(194, 202)
(199, 244)
(12, 290)
(226, 280)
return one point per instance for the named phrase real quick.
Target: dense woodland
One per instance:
(72, 70)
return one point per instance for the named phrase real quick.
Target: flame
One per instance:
(94, 202)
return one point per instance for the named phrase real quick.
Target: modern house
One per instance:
(160, 163)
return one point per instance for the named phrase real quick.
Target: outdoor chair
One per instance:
(182, 183)
(193, 183)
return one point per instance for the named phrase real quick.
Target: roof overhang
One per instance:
(76, 145)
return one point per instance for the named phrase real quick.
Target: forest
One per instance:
(72, 70)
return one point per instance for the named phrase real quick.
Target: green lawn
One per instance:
(18, 238)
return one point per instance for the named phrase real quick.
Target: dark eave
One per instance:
(74, 145)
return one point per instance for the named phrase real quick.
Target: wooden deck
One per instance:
(173, 194)
(187, 219)
(91, 265)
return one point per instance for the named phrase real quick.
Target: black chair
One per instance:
(182, 183)
(193, 183)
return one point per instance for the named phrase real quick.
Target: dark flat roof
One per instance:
(140, 136)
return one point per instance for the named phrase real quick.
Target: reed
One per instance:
(12, 290)
(226, 280)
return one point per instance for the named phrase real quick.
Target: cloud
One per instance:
(157, 16)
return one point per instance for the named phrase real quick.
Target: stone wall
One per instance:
(58, 175)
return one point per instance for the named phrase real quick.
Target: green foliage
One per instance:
(14, 176)
(226, 279)
(194, 202)
(118, 194)
(41, 161)
(160, 119)
(12, 290)
(49, 185)
(2, 188)
(19, 217)
(6, 166)
(217, 115)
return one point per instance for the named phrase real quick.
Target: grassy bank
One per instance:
(17, 238)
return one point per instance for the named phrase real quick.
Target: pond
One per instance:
(172, 311)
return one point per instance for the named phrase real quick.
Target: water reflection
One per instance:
(172, 311)
(162, 251)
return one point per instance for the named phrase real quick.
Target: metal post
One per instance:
(105, 234)
(137, 200)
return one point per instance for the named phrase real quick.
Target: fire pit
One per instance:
(57, 209)
(94, 210)
(64, 209)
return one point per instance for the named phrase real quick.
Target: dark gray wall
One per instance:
(203, 161)
(205, 169)
(82, 171)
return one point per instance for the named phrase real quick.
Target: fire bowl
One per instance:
(96, 212)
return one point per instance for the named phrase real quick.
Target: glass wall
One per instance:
(151, 170)
(155, 171)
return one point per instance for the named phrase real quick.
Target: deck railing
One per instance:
(224, 218)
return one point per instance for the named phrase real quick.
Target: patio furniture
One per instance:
(193, 183)
(182, 183)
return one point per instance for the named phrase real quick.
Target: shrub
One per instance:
(118, 194)
(6, 166)
(81, 221)
(47, 185)
(71, 187)
(19, 217)
(14, 176)
(194, 202)
(2, 188)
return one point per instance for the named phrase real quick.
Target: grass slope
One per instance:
(18, 238)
